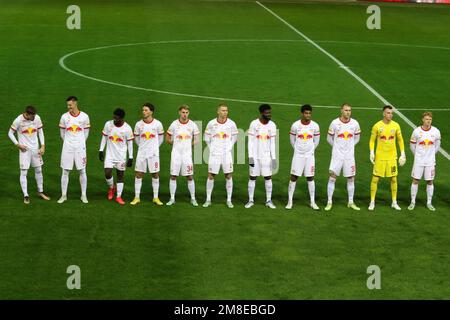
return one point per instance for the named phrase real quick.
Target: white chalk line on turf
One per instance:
(347, 69)
(63, 65)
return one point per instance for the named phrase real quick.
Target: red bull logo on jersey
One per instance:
(305, 136)
(148, 135)
(29, 131)
(74, 128)
(221, 135)
(345, 135)
(115, 139)
(385, 138)
(426, 143)
(183, 136)
(262, 137)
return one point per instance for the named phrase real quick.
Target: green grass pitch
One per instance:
(148, 252)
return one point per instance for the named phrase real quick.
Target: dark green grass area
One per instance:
(147, 252)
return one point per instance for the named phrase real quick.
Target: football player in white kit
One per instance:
(261, 153)
(28, 127)
(305, 137)
(343, 134)
(74, 129)
(425, 142)
(148, 135)
(182, 134)
(117, 136)
(220, 136)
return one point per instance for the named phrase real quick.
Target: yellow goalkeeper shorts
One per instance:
(385, 168)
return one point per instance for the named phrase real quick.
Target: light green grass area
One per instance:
(181, 252)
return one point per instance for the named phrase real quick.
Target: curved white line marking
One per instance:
(63, 65)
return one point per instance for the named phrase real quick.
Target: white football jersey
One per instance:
(149, 135)
(343, 134)
(263, 134)
(182, 135)
(425, 140)
(117, 139)
(304, 137)
(27, 131)
(74, 127)
(221, 135)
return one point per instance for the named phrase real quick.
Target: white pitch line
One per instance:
(347, 69)
(63, 65)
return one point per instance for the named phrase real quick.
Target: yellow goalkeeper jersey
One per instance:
(386, 136)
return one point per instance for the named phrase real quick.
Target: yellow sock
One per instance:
(394, 188)
(373, 188)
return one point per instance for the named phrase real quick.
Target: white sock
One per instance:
(137, 187)
(268, 185)
(209, 188)
(350, 190)
(39, 179)
(64, 182)
(330, 188)
(119, 189)
(83, 181)
(291, 190)
(229, 187)
(172, 188)
(414, 188)
(312, 190)
(191, 187)
(251, 189)
(110, 182)
(155, 186)
(23, 182)
(430, 190)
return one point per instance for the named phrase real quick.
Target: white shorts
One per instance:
(427, 172)
(71, 157)
(303, 166)
(347, 166)
(216, 161)
(30, 157)
(262, 167)
(115, 164)
(150, 163)
(181, 164)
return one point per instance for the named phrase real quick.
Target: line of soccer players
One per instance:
(220, 136)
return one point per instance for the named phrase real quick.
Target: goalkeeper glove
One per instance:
(274, 164)
(402, 159)
(372, 156)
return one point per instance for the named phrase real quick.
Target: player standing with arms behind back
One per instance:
(74, 129)
(425, 142)
(386, 132)
(148, 135)
(305, 137)
(29, 127)
(220, 136)
(182, 134)
(261, 153)
(343, 135)
(117, 136)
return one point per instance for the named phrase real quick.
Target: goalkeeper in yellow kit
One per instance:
(386, 132)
